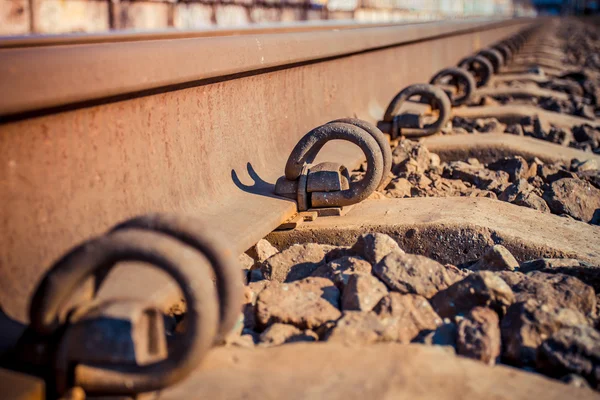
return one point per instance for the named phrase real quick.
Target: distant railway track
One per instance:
(134, 36)
(98, 129)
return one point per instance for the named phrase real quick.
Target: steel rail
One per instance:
(7, 42)
(46, 78)
(171, 34)
(199, 126)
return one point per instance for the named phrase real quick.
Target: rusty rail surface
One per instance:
(37, 40)
(134, 36)
(112, 71)
(7, 42)
(94, 134)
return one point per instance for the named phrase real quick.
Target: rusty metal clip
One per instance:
(193, 233)
(410, 124)
(460, 79)
(118, 347)
(505, 50)
(329, 180)
(384, 144)
(516, 42)
(494, 57)
(510, 43)
(480, 67)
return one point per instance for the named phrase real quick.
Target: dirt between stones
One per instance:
(541, 315)
(571, 191)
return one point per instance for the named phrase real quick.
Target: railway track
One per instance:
(402, 201)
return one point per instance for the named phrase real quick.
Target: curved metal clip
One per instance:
(327, 184)
(118, 347)
(460, 79)
(505, 50)
(480, 67)
(411, 124)
(494, 57)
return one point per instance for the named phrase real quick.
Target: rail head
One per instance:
(53, 78)
(37, 40)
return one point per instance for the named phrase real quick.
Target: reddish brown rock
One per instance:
(511, 277)
(246, 263)
(296, 262)
(592, 176)
(574, 197)
(264, 250)
(397, 318)
(410, 166)
(519, 187)
(306, 304)
(489, 125)
(257, 287)
(556, 290)
(420, 181)
(357, 327)
(443, 187)
(458, 271)
(251, 293)
(362, 293)
(444, 335)
(473, 161)
(548, 264)
(515, 166)
(481, 177)
(587, 273)
(434, 160)
(573, 350)
(374, 246)
(483, 193)
(479, 335)
(410, 314)
(278, 334)
(553, 172)
(496, 258)
(533, 168)
(583, 166)
(340, 269)
(527, 324)
(515, 129)
(479, 125)
(409, 273)
(531, 200)
(483, 289)
(410, 156)
(536, 182)
(399, 188)
(338, 252)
